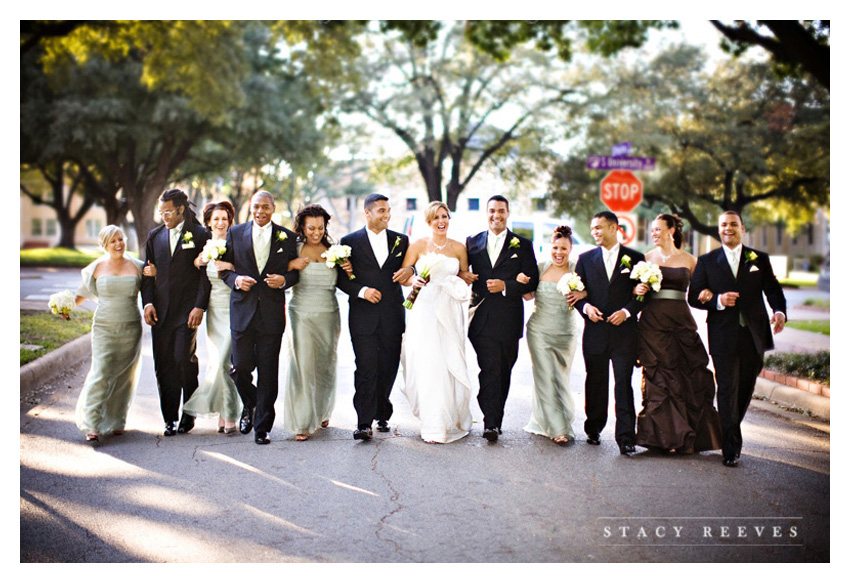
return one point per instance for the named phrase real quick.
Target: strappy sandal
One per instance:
(302, 437)
(92, 437)
(561, 439)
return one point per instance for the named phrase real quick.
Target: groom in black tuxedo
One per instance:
(610, 330)
(174, 302)
(260, 252)
(730, 283)
(496, 257)
(376, 313)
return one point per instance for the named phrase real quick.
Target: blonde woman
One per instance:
(114, 281)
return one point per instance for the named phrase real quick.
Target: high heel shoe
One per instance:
(561, 439)
(302, 437)
(228, 429)
(92, 437)
(222, 426)
(325, 422)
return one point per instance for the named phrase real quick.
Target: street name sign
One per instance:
(620, 163)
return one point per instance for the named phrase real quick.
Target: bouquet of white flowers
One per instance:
(648, 273)
(336, 255)
(428, 262)
(212, 250)
(570, 282)
(62, 303)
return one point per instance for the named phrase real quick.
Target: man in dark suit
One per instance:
(260, 252)
(496, 257)
(175, 301)
(729, 283)
(376, 313)
(610, 330)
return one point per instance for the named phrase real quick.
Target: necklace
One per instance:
(439, 247)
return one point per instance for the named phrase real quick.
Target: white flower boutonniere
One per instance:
(750, 256)
(397, 241)
(188, 241)
(281, 236)
(514, 244)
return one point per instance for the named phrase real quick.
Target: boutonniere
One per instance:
(397, 241)
(750, 256)
(188, 241)
(514, 244)
(281, 236)
(626, 262)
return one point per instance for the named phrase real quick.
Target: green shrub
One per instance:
(814, 367)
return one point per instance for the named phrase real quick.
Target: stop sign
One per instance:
(621, 191)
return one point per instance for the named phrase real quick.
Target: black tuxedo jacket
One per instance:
(608, 297)
(755, 277)
(269, 303)
(364, 316)
(496, 315)
(177, 288)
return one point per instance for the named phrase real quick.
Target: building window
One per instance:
(36, 231)
(779, 234)
(473, 204)
(92, 228)
(411, 204)
(541, 204)
(51, 228)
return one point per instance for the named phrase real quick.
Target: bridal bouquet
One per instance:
(62, 303)
(570, 282)
(336, 255)
(648, 273)
(427, 264)
(212, 250)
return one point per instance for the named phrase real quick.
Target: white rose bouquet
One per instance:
(570, 282)
(212, 251)
(62, 303)
(336, 255)
(648, 273)
(428, 262)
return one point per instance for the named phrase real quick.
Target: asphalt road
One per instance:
(206, 497)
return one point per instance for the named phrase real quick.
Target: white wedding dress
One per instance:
(433, 355)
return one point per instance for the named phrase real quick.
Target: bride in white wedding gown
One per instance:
(433, 354)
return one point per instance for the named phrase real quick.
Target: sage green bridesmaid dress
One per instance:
(312, 337)
(552, 334)
(116, 339)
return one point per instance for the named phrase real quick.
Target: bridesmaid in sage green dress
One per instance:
(313, 329)
(552, 335)
(113, 280)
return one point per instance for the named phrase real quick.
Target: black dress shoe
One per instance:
(246, 421)
(730, 462)
(187, 423)
(593, 438)
(627, 448)
(383, 426)
(170, 429)
(363, 434)
(491, 434)
(262, 438)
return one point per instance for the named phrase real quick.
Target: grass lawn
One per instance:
(57, 257)
(50, 332)
(820, 326)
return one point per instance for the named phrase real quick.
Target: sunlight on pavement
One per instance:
(227, 459)
(74, 461)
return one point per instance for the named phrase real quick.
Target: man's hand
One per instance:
(617, 318)
(778, 321)
(729, 298)
(275, 281)
(593, 313)
(372, 295)
(195, 317)
(245, 282)
(495, 286)
(150, 315)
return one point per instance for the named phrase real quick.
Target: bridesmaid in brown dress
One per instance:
(678, 389)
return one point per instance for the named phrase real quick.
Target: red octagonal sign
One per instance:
(621, 191)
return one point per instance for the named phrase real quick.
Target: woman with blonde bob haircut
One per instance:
(114, 281)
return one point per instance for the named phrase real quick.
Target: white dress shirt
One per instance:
(494, 245)
(378, 242)
(609, 257)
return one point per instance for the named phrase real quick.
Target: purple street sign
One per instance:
(620, 163)
(621, 149)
